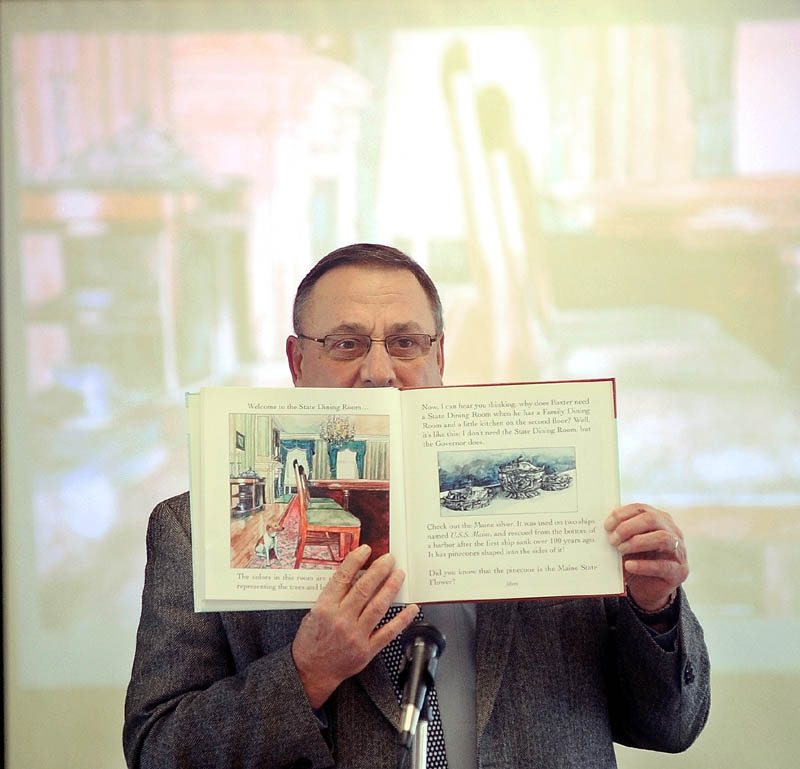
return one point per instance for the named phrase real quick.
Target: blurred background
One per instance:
(596, 192)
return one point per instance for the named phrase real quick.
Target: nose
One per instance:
(378, 368)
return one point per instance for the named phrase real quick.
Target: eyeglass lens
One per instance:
(352, 346)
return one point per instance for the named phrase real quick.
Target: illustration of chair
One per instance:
(325, 523)
(314, 502)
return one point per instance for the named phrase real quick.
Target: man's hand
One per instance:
(653, 553)
(338, 637)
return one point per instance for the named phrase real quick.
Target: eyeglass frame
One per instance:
(371, 340)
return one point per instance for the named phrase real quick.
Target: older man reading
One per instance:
(542, 683)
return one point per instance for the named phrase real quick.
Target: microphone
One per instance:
(422, 644)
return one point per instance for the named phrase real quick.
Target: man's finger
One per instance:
(647, 519)
(388, 632)
(367, 584)
(620, 514)
(636, 510)
(342, 579)
(373, 611)
(671, 572)
(661, 541)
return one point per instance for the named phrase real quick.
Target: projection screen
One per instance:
(597, 189)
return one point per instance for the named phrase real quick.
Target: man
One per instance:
(534, 683)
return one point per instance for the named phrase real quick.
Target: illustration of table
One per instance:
(368, 500)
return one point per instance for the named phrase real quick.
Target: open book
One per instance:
(481, 492)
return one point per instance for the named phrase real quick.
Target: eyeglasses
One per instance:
(355, 346)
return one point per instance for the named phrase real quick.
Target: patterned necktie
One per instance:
(393, 657)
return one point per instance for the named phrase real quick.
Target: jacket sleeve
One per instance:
(194, 701)
(659, 699)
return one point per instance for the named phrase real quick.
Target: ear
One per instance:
(440, 354)
(294, 356)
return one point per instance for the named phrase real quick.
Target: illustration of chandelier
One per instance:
(337, 430)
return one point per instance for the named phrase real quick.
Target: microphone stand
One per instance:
(420, 756)
(422, 647)
(418, 752)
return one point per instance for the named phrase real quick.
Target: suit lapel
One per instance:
(494, 632)
(495, 625)
(378, 686)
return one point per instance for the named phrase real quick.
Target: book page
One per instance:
(194, 423)
(507, 488)
(251, 452)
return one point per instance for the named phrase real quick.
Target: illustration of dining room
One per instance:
(305, 490)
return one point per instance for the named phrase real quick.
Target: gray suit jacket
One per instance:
(557, 682)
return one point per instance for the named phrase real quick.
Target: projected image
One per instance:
(611, 197)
